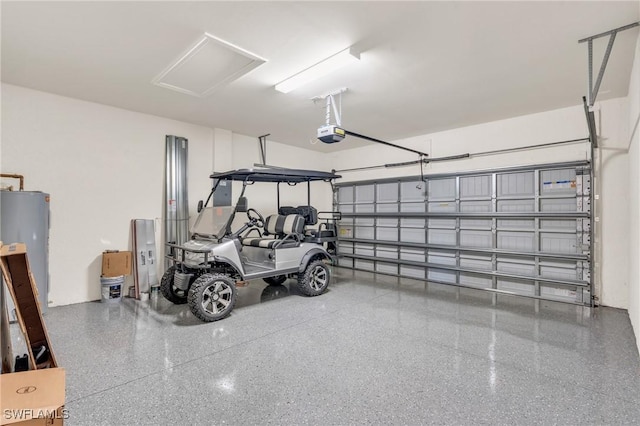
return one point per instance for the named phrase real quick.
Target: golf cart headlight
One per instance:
(194, 258)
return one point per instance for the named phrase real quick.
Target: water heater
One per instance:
(24, 218)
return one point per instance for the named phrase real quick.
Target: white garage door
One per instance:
(523, 231)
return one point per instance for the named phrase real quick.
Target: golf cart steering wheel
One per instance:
(256, 219)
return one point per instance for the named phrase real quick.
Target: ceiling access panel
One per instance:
(523, 231)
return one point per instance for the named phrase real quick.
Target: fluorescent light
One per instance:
(318, 70)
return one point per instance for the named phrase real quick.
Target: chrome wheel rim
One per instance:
(216, 298)
(318, 279)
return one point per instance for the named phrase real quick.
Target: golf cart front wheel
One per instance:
(212, 297)
(315, 278)
(170, 292)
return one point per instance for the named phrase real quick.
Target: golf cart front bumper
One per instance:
(190, 257)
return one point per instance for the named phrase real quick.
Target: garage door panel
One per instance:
(491, 253)
(413, 255)
(441, 275)
(568, 271)
(516, 206)
(387, 268)
(413, 207)
(412, 235)
(556, 205)
(345, 194)
(412, 271)
(483, 263)
(442, 207)
(345, 262)
(516, 286)
(365, 265)
(558, 182)
(412, 223)
(387, 192)
(438, 257)
(442, 236)
(559, 243)
(387, 234)
(475, 280)
(569, 225)
(387, 208)
(364, 249)
(364, 221)
(516, 184)
(475, 238)
(516, 241)
(475, 186)
(558, 293)
(386, 252)
(364, 232)
(387, 222)
(516, 266)
(413, 191)
(346, 208)
(345, 248)
(475, 207)
(441, 189)
(365, 194)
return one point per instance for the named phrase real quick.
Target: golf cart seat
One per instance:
(287, 231)
(309, 213)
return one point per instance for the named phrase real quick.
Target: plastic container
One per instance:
(112, 289)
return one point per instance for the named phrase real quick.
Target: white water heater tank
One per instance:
(24, 218)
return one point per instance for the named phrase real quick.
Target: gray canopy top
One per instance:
(275, 175)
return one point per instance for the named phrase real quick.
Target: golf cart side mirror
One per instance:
(200, 206)
(243, 205)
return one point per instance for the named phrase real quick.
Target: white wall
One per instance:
(246, 154)
(104, 166)
(634, 195)
(551, 126)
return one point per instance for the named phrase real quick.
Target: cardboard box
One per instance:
(14, 264)
(116, 263)
(31, 398)
(34, 397)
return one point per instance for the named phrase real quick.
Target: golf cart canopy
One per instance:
(275, 175)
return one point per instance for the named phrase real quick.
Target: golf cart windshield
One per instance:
(213, 221)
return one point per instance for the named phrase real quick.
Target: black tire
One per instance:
(212, 297)
(277, 280)
(169, 291)
(315, 278)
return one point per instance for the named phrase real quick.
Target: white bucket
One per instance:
(112, 289)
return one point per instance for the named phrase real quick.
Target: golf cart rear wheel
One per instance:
(277, 280)
(212, 297)
(170, 291)
(315, 278)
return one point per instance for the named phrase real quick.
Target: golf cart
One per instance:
(205, 269)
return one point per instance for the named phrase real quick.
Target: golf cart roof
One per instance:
(275, 174)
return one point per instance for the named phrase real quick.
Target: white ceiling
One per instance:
(425, 66)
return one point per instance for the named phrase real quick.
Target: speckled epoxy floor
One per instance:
(373, 349)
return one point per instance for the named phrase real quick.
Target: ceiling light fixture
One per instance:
(319, 70)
